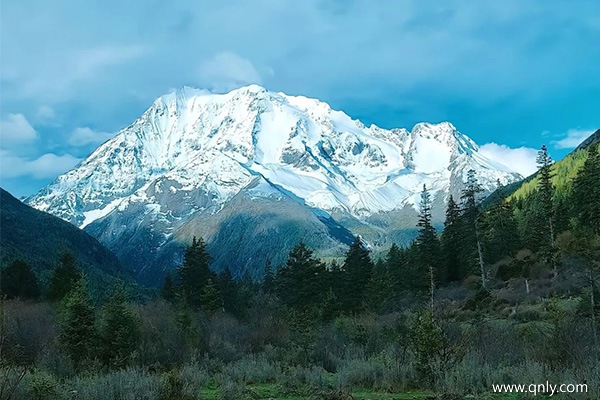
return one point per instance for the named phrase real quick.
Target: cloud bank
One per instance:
(520, 160)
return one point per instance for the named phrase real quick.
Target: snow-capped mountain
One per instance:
(192, 153)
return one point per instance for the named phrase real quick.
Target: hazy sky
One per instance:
(512, 74)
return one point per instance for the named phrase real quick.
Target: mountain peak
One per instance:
(223, 142)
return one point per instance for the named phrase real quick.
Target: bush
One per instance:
(130, 384)
(252, 369)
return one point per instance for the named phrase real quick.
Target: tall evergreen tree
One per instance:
(472, 253)
(358, 269)
(118, 331)
(396, 262)
(17, 280)
(210, 297)
(195, 272)
(299, 284)
(65, 277)
(169, 288)
(451, 242)
(586, 191)
(545, 193)
(427, 244)
(78, 335)
(229, 292)
(500, 232)
(379, 287)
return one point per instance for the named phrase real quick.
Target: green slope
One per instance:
(39, 238)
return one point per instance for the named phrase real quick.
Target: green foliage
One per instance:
(39, 239)
(357, 272)
(78, 335)
(450, 242)
(17, 280)
(469, 226)
(300, 282)
(427, 245)
(586, 191)
(118, 331)
(65, 277)
(169, 288)
(195, 272)
(210, 297)
(428, 342)
(500, 233)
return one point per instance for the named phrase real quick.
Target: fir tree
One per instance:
(65, 277)
(119, 331)
(427, 245)
(545, 227)
(229, 292)
(358, 269)
(210, 298)
(472, 253)
(397, 267)
(195, 272)
(78, 336)
(451, 242)
(299, 284)
(500, 232)
(17, 280)
(379, 287)
(169, 289)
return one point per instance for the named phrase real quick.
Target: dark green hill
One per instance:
(39, 238)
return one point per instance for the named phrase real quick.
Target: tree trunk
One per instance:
(526, 285)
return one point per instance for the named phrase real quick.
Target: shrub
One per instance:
(252, 369)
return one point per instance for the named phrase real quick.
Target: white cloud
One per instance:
(85, 136)
(48, 165)
(226, 71)
(520, 160)
(573, 138)
(16, 129)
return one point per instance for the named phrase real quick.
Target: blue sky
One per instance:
(511, 74)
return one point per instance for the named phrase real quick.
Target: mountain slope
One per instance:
(39, 238)
(176, 168)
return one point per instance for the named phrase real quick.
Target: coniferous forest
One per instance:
(504, 292)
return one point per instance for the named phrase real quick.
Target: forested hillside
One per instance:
(39, 239)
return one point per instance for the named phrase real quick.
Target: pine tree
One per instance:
(451, 242)
(586, 191)
(379, 287)
(545, 204)
(119, 331)
(358, 269)
(299, 284)
(210, 298)
(229, 292)
(65, 277)
(396, 263)
(427, 245)
(17, 280)
(169, 289)
(78, 336)
(500, 232)
(471, 247)
(195, 272)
